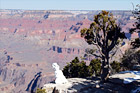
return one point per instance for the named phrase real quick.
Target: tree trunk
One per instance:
(105, 69)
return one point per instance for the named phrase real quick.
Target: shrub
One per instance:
(79, 69)
(116, 66)
(76, 69)
(130, 59)
(83, 70)
(40, 90)
(95, 66)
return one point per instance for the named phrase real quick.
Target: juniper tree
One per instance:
(104, 33)
(136, 28)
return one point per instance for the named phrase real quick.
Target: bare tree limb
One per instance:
(97, 55)
(98, 48)
(114, 51)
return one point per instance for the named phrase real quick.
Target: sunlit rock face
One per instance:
(75, 85)
(30, 41)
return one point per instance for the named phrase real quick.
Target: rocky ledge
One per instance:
(74, 85)
(116, 84)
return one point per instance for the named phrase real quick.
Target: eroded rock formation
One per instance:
(30, 41)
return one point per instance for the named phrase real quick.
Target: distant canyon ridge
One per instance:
(31, 40)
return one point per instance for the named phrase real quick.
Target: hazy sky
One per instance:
(68, 4)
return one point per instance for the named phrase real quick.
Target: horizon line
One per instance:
(65, 10)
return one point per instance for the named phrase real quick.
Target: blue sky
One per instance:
(68, 4)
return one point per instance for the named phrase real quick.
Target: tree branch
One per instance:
(113, 43)
(98, 48)
(114, 51)
(96, 55)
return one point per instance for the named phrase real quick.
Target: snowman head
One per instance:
(55, 66)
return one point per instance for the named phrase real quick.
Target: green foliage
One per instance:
(130, 58)
(95, 66)
(116, 66)
(105, 23)
(40, 90)
(136, 28)
(136, 13)
(76, 69)
(136, 43)
(81, 70)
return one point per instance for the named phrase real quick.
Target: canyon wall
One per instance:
(30, 41)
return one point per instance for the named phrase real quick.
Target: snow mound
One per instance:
(131, 79)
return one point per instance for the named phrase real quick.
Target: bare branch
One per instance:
(114, 51)
(133, 6)
(98, 48)
(96, 55)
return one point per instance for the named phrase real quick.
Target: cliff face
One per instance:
(32, 40)
(21, 77)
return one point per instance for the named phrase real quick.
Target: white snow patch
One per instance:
(129, 80)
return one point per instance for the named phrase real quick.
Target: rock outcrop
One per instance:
(17, 77)
(74, 85)
(88, 85)
(117, 83)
